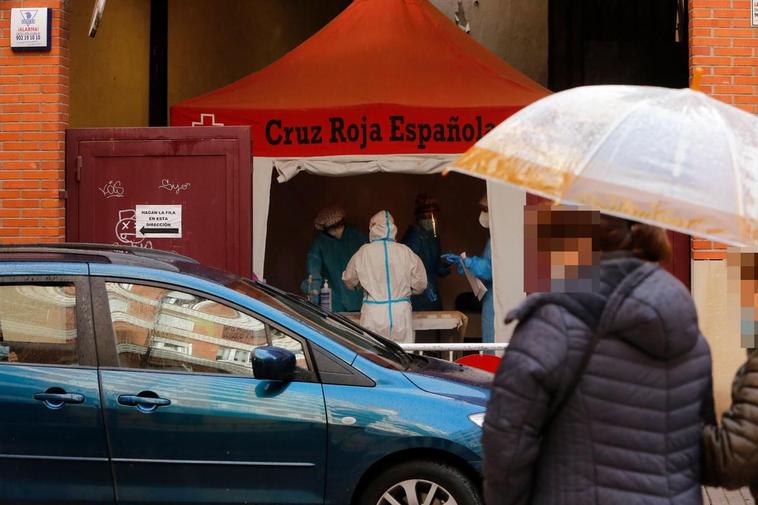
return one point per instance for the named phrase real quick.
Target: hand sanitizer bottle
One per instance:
(325, 297)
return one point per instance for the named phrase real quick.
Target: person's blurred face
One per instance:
(743, 286)
(336, 231)
(559, 255)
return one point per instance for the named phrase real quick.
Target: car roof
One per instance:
(114, 254)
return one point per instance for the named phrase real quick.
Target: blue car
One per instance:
(135, 376)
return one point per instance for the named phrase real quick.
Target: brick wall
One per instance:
(725, 45)
(34, 98)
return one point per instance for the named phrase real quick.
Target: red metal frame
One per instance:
(216, 158)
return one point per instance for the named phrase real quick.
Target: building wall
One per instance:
(211, 44)
(34, 96)
(515, 30)
(725, 46)
(109, 73)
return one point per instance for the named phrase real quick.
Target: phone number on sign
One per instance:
(28, 36)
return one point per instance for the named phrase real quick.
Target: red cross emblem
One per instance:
(207, 120)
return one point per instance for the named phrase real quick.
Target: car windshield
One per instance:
(374, 347)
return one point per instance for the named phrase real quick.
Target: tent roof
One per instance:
(376, 52)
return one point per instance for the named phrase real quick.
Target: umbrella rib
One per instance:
(615, 126)
(737, 182)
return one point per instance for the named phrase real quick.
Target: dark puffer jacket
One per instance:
(730, 451)
(630, 432)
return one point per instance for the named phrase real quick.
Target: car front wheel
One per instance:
(421, 483)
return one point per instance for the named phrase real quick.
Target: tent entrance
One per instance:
(294, 204)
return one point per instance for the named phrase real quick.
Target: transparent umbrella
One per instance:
(668, 157)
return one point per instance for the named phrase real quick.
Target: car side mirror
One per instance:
(273, 363)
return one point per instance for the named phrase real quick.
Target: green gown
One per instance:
(327, 259)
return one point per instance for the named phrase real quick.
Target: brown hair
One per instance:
(643, 240)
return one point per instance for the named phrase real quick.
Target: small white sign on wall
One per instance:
(158, 221)
(755, 12)
(30, 29)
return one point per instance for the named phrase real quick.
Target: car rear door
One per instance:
(186, 420)
(52, 438)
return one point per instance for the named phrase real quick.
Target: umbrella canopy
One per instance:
(672, 158)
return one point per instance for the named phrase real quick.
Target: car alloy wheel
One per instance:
(417, 492)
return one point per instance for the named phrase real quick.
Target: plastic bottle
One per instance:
(325, 297)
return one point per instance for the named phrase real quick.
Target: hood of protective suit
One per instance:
(382, 226)
(657, 316)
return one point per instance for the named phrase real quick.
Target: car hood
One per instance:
(451, 380)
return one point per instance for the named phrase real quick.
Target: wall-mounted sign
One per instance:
(158, 221)
(755, 12)
(30, 29)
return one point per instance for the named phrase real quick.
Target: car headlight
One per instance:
(477, 419)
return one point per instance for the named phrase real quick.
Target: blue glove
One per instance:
(464, 262)
(480, 267)
(453, 259)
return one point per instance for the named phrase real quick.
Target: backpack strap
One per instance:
(626, 286)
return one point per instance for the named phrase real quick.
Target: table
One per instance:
(430, 320)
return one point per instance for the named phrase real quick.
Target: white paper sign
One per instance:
(755, 12)
(158, 221)
(30, 28)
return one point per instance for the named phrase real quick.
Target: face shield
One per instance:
(428, 221)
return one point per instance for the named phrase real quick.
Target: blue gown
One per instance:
(481, 267)
(427, 247)
(327, 259)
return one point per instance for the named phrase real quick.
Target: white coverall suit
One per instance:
(389, 273)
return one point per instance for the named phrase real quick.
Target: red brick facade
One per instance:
(725, 45)
(34, 101)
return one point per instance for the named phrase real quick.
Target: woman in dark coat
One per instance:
(730, 451)
(628, 432)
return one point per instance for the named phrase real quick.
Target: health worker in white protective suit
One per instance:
(389, 273)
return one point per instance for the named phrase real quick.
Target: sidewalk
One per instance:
(718, 496)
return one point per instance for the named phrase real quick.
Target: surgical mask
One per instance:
(484, 219)
(748, 327)
(336, 231)
(429, 224)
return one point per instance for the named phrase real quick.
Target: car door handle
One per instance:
(143, 403)
(56, 400)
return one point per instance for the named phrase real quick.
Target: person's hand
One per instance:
(12, 357)
(452, 259)
(464, 262)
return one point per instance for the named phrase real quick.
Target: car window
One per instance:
(373, 347)
(164, 329)
(38, 324)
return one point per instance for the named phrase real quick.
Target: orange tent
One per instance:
(387, 86)
(383, 77)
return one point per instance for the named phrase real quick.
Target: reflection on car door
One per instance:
(186, 420)
(52, 439)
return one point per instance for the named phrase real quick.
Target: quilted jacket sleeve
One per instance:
(730, 451)
(521, 394)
